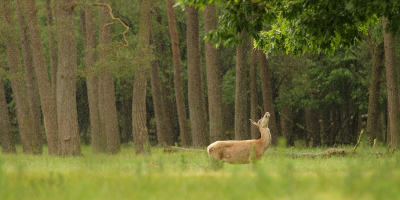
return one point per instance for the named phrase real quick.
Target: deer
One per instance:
(243, 151)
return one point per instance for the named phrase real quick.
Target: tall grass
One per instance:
(185, 175)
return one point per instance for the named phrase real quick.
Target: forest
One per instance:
(187, 73)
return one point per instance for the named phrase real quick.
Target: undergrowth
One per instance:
(187, 175)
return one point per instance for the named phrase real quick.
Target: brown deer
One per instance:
(243, 151)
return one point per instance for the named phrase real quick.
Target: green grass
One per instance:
(184, 176)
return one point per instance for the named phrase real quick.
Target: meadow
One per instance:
(186, 175)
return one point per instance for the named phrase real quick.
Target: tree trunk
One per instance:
(163, 123)
(255, 133)
(46, 96)
(126, 111)
(241, 114)
(7, 144)
(108, 108)
(214, 79)
(30, 76)
(92, 80)
(52, 49)
(180, 100)
(266, 88)
(140, 134)
(66, 80)
(373, 120)
(29, 139)
(392, 86)
(197, 119)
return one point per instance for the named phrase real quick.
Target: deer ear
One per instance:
(253, 122)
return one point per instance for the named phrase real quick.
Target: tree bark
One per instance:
(52, 49)
(29, 139)
(180, 100)
(92, 79)
(241, 114)
(30, 76)
(66, 80)
(7, 144)
(392, 86)
(373, 120)
(197, 118)
(266, 88)
(163, 123)
(108, 108)
(140, 133)
(214, 78)
(45, 93)
(255, 133)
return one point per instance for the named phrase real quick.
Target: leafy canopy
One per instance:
(298, 26)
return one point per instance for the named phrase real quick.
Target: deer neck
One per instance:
(265, 137)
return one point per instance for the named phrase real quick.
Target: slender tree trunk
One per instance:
(214, 79)
(30, 76)
(255, 133)
(66, 80)
(7, 144)
(241, 114)
(180, 100)
(99, 138)
(392, 86)
(52, 49)
(108, 110)
(92, 80)
(46, 96)
(373, 119)
(140, 133)
(163, 123)
(266, 88)
(197, 119)
(29, 139)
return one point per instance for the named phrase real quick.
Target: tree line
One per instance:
(111, 72)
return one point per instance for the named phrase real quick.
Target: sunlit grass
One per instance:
(185, 175)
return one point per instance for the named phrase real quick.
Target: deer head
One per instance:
(263, 122)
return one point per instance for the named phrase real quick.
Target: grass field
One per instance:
(184, 175)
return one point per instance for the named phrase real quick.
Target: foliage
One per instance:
(300, 26)
(184, 176)
(333, 81)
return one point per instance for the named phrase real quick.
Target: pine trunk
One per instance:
(255, 133)
(180, 100)
(241, 114)
(214, 79)
(266, 88)
(139, 126)
(163, 123)
(373, 120)
(52, 49)
(66, 80)
(29, 139)
(45, 92)
(108, 108)
(30, 76)
(197, 118)
(392, 86)
(92, 79)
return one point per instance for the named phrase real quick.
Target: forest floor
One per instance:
(185, 175)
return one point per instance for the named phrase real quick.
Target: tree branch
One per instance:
(125, 43)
